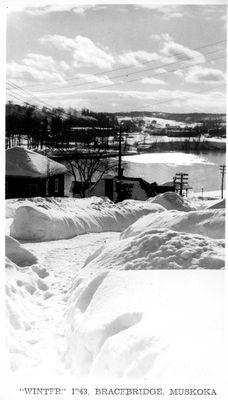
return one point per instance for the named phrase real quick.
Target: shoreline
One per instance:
(158, 147)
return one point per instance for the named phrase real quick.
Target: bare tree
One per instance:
(88, 168)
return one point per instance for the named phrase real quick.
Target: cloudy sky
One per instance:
(118, 57)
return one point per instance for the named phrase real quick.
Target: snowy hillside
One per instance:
(160, 122)
(95, 289)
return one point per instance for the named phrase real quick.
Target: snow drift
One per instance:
(172, 201)
(18, 254)
(209, 223)
(141, 325)
(32, 222)
(159, 249)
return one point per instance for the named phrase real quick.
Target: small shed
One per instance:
(30, 174)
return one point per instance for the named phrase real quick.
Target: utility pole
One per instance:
(223, 171)
(181, 180)
(120, 169)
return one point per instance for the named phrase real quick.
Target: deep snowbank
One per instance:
(142, 325)
(172, 201)
(209, 223)
(159, 249)
(66, 204)
(50, 221)
(18, 254)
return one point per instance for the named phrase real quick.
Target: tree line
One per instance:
(56, 127)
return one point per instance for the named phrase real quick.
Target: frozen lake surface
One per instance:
(203, 168)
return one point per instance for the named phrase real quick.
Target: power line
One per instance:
(154, 104)
(133, 73)
(40, 102)
(151, 76)
(102, 87)
(169, 100)
(141, 63)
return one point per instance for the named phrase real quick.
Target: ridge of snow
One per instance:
(208, 222)
(173, 201)
(42, 223)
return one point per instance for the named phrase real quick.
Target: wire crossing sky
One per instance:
(118, 57)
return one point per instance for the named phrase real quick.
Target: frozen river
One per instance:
(203, 168)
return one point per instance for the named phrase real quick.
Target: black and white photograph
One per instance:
(115, 189)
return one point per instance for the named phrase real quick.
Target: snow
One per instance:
(50, 221)
(209, 223)
(133, 336)
(219, 204)
(160, 122)
(160, 249)
(18, 254)
(171, 158)
(24, 162)
(172, 201)
(107, 299)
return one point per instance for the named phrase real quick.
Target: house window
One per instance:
(56, 185)
(47, 187)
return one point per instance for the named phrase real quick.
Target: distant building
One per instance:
(29, 174)
(119, 189)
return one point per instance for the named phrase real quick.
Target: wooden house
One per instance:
(125, 188)
(30, 174)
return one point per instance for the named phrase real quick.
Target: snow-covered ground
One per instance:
(160, 122)
(90, 291)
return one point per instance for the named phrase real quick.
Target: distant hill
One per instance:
(185, 117)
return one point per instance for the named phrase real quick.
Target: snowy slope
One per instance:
(116, 332)
(107, 305)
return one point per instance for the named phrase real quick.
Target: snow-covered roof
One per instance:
(27, 163)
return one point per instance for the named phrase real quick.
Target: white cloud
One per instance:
(165, 11)
(136, 57)
(127, 100)
(152, 81)
(199, 74)
(58, 41)
(31, 74)
(160, 71)
(45, 7)
(40, 61)
(178, 52)
(64, 65)
(84, 51)
(37, 68)
(162, 36)
(103, 80)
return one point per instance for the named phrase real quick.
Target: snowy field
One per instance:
(94, 289)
